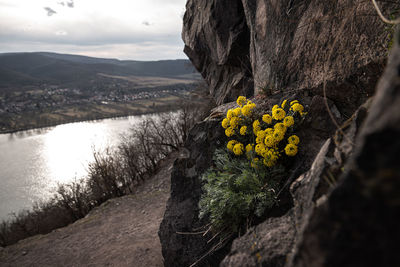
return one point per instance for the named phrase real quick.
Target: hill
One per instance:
(41, 89)
(20, 69)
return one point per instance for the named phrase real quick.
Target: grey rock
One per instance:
(180, 247)
(271, 242)
(217, 42)
(278, 238)
(356, 226)
(240, 46)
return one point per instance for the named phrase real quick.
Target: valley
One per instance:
(36, 92)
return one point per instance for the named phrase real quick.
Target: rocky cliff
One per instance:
(241, 46)
(343, 193)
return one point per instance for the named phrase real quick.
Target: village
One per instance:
(56, 96)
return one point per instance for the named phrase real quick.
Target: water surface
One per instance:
(33, 162)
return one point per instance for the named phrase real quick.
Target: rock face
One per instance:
(275, 241)
(217, 41)
(351, 225)
(344, 196)
(180, 246)
(356, 225)
(240, 46)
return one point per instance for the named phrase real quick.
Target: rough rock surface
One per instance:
(356, 226)
(294, 47)
(275, 241)
(240, 46)
(217, 42)
(180, 247)
(269, 243)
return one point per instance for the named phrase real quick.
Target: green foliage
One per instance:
(243, 183)
(235, 192)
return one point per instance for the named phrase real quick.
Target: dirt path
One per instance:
(121, 232)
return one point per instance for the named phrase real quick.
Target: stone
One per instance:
(180, 245)
(217, 40)
(356, 226)
(241, 46)
(278, 238)
(271, 242)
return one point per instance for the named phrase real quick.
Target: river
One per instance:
(33, 162)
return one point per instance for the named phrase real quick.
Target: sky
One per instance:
(123, 29)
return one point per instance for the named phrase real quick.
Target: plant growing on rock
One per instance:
(248, 174)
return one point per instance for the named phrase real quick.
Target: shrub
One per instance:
(111, 174)
(247, 175)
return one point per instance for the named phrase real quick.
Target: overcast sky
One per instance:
(123, 29)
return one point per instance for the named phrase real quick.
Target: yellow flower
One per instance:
(288, 121)
(238, 149)
(225, 123)
(249, 148)
(230, 114)
(246, 110)
(278, 114)
(241, 100)
(272, 156)
(293, 102)
(284, 103)
(269, 141)
(256, 126)
(264, 153)
(297, 108)
(237, 111)
(294, 139)
(260, 137)
(254, 162)
(231, 144)
(275, 107)
(278, 136)
(268, 162)
(243, 130)
(261, 134)
(229, 131)
(291, 150)
(267, 118)
(259, 140)
(269, 131)
(259, 149)
(280, 127)
(234, 122)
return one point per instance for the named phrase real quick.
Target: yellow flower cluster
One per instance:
(261, 138)
(297, 107)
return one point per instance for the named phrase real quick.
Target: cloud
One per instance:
(129, 29)
(61, 33)
(50, 12)
(69, 3)
(147, 23)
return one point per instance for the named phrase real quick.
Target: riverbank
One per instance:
(120, 232)
(11, 123)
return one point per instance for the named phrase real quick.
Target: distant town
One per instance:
(56, 96)
(50, 105)
(43, 89)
